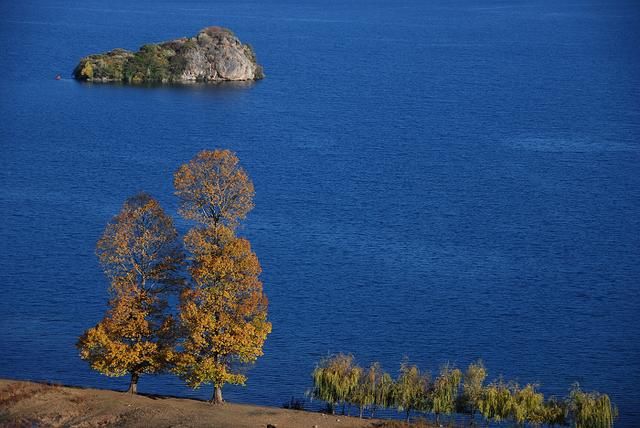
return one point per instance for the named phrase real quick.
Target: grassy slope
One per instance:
(39, 404)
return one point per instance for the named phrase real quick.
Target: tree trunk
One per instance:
(216, 397)
(361, 411)
(344, 407)
(408, 414)
(133, 384)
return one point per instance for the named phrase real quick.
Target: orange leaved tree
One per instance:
(142, 256)
(214, 189)
(223, 312)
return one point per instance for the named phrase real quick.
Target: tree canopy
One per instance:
(141, 243)
(444, 394)
(472, 387)
(411, 389)
(339, 380)
(213, 188)
(335, 379)
(591, 409)
(223, 311)
(141, 255)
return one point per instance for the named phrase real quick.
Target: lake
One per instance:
(445, 180)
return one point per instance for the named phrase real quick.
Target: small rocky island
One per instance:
(214, 55)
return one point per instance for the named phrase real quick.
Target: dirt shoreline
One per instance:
(32, 404)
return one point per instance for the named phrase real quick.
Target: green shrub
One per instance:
(555, 412)
(107, 66)
(472, 387)
(339, 380)
(410, 391)
(496, 402)
(150, 64)
(334, 379)
(444, 394)
(591, 409)
(528, 405)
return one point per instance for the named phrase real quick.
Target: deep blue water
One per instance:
(447, 180)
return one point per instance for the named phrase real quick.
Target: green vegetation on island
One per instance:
(215, 54)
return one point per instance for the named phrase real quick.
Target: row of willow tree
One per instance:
(193, 306)
(338, 380)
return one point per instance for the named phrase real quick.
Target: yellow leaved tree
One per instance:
(214, 189)
(223, 312)
(142, 256)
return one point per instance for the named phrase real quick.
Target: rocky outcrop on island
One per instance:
(214, 55)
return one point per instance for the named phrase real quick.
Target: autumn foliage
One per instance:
(222, 311)
(142, 257)
(213, 188)
(196, 307)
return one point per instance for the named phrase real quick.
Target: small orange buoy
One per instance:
(58, 77)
